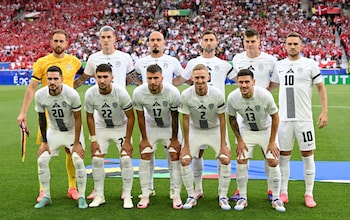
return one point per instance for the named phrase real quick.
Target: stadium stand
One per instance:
(25, 39)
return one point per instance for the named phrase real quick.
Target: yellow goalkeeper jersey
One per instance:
(70, 66)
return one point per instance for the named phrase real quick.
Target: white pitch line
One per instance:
(333, 106)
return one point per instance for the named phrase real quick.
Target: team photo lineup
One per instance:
(184, 122)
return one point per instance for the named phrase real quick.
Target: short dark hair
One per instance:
(59, 31)
(54, 69)
(294, 34)
(208, 32)
(250, 32)
(245, 72)
(104, 67)
(154, 68)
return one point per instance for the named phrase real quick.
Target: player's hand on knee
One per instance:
(272, 147)
(77, 148)
(185, 156)
(126, 149)
(95, 148)
(43, 147)
(175, 144)
(144, 144)
(241, 149)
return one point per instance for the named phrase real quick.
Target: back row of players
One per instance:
(110, 116)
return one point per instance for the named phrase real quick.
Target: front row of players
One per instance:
(110, 117)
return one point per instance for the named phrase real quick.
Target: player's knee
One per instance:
(272, 162)
(285, 153)
(186, 160)
(242, 161)
(97, 162)
(146, 156)
(125, 162)
(224, 159)
(43, 160)
(77, 161)
(174, 156)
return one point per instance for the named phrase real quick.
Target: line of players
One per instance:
(253, 116)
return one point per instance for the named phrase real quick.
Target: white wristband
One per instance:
(92, 138)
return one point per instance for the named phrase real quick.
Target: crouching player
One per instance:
(63, 106)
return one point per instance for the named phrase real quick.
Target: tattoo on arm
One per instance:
(81, 80)
(234, 125)
(135, 77)
(42, 125)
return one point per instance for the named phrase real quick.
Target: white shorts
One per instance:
(254, 138)
(199, 138)
(104, 137)
(303, 131)
(156, 134)
(57, 139)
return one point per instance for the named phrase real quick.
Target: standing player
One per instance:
(171, 68)
(156, 105)
(296, 75)
(120, 62)
(219, 71)
(63, 107)
(70, 66)
(260, 118)
(261, 64)
(204, 123)
(113, 121)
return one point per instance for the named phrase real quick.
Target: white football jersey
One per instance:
(219, 71)
(157, 107)
(262, 67)
(60, 108)
(296, 79)
(255, 111)
(120, 62)
(203, 110)
(110, 108)
(171, 67)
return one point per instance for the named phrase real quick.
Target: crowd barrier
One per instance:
(22, 77)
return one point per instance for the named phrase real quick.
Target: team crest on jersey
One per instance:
(300, 71)
(260, 67)
(118, 64)
(257, 108)
(64, 104)
(211, 106)
(69, 67)
(165, 65)
(216, 68)
(165, 103)
(115, 105)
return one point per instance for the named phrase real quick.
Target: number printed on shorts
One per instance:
(121, 141)
(307, 136)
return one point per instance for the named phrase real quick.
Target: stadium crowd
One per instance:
(25, 40)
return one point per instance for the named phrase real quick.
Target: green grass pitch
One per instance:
(19, 181)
